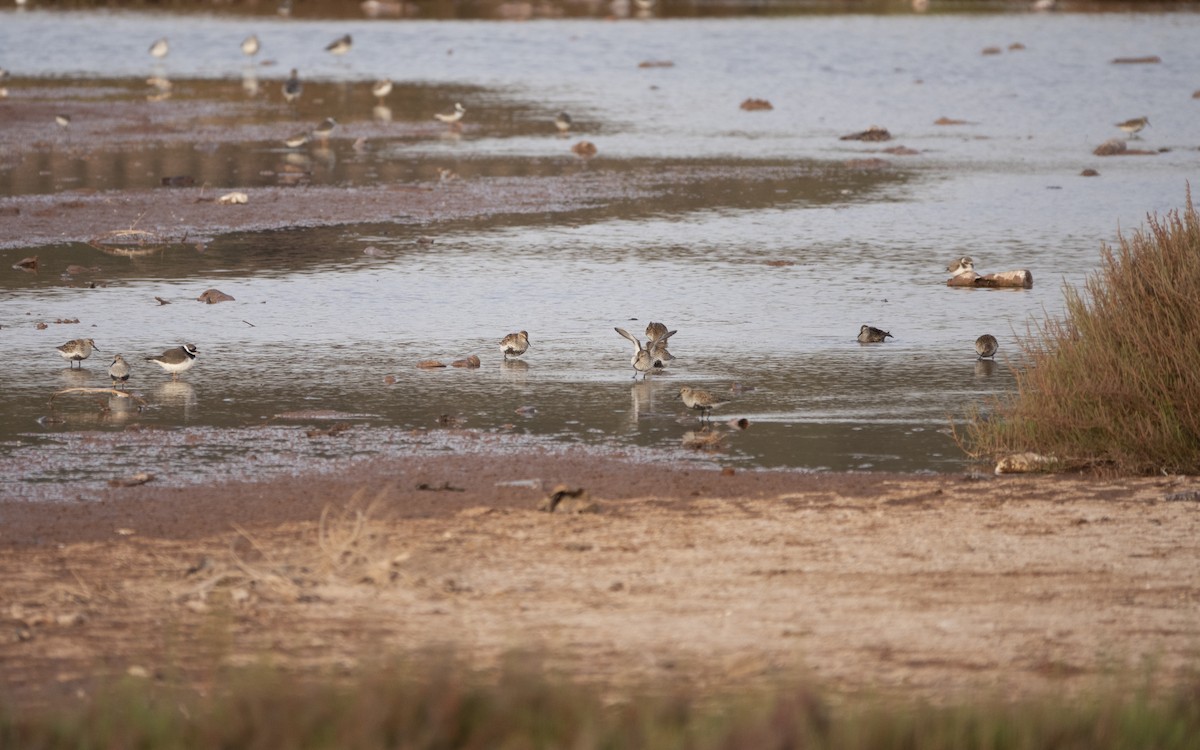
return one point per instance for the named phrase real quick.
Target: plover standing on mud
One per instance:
(292, 87)
(514, 344)
(986, 346)
(296, 141)
(176, 360)
(702, 401)
(118, 370)
(77, 350)
(872, 335)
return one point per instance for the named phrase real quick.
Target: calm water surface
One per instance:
(318, 326)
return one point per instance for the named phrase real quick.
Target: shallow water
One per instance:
(318, 325)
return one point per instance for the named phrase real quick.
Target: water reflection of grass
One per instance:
(437, 704)
(1115, 383)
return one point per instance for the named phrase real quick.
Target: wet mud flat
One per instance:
(161, 168)
(931, 587)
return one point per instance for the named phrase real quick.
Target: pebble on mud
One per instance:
(1089, 173)
(133, 480)
(1025, 463)
(27, 264)
(874, 133)
(756, 105)
(430, 364)
(470, 362)
(584, 149)
(213, 296)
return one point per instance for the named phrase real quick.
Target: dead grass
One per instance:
(1115, 383)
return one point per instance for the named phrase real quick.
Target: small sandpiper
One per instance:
(292, 87)
(77, 350)
(340, 46)
(118, 370)
(563, 122)
(986, 346)
(642, 359)
(325, 129)
(656, 338)
(296, 141)
(381, 89)
(452, 118)
(250, 46)
(1134, 126)
(64, 121)
(872, 335)
(160, 48)
(176, 360)
(515, 344)
(702, 401)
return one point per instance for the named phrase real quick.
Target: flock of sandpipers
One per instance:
(175, 360)
(293, 88)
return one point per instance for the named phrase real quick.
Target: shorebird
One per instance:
(250, 46)
(296, 141)
(515, 344)
(340, 46)
(961, 266)
(176, 360)
(1134, 126)
(563, 122)
(701, 401)
(292, 87)
(656, 336)
(452, 118)
(64, 121)
(77, 350)
(325, 129)
(118, 370)
(160, 48)
(642, 359)
(381, 89)
(986, 346)
(872, 335)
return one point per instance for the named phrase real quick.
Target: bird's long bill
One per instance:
(97, 348)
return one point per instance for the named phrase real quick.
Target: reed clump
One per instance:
(1114, 383)
(405, 705)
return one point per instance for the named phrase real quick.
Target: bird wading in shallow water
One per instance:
(986, 346)
(292, 87)
(642, 359)
(701, 401)
(77, 350)
(177, 360)
(160, 48)
(340, 46)
(454, 117)
(514, 344)
(872, 335)
(118, 370)
(1134, 126)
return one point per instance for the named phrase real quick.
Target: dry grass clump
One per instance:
(439, 704)
(1115, 383)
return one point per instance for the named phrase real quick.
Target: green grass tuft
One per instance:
(1115, 382)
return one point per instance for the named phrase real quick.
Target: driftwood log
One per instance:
(1022, 279)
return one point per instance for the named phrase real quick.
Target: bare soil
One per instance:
(899, 585)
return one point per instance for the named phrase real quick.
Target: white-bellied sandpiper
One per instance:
(77, 350)
(515, 344)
